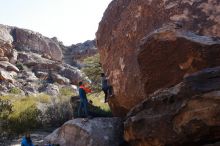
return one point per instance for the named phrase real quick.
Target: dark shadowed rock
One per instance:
(213, 144)
(126, 22)
(186, 114)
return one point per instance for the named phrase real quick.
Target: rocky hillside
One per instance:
(37, 78)
(74, 54)
(162, 59)
(28, 57)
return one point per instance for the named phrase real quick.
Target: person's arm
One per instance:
(88, 90)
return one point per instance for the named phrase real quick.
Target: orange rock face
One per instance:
(127, 22)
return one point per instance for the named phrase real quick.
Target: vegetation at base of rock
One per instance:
(98, 108)
(93, 69)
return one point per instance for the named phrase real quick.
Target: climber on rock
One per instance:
(83, 90)
(106, 88)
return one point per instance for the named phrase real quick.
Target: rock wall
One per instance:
(126, 23)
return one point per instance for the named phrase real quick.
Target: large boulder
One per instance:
(123, 26)
(186, 114)
(94, 132)
(26, 40)
(168, 54)
(73, 74)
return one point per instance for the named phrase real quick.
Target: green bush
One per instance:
(26, 120)
(43, 98)
(5, 109)
(67, 91)
(15, 90)
(20, 66)
(93, 69)
(24, 116)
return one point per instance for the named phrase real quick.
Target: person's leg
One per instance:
(110, 91)
(80, 107)
(106, 94)
(85, 107)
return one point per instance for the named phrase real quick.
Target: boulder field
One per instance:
(26, 54)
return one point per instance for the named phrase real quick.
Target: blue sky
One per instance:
(71, 21)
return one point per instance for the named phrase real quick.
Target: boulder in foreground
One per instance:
(94, 132)
(184, 115)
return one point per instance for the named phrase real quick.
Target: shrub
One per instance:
(20, 66)
(5, 109)
(43, 98)
(15, 90)
(24, 116)
(58, 113)
(93, 69)
(66, 91)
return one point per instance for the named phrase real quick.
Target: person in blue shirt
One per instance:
(26, 141)
(83, 99)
